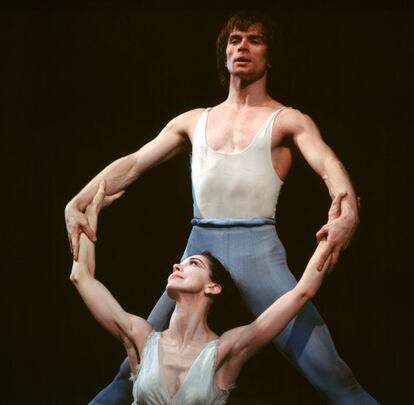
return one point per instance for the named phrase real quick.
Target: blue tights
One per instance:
(305, 342)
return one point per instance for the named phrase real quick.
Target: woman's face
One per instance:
(192, 275)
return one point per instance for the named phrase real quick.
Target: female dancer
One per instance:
(188, 363)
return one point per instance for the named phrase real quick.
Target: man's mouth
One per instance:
(242, 59)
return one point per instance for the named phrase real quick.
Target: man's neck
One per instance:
(247, 94)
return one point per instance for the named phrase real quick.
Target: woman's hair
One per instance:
(242, 21)
(228, 309)
(218, 274)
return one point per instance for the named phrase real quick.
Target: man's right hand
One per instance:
(76, 223)
(171, 141)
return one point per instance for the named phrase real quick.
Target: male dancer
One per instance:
(241, 153)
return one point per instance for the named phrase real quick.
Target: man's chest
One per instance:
(231, 133)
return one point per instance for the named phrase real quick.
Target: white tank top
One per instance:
(236, 185)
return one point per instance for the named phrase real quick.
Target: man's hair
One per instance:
(242, 20)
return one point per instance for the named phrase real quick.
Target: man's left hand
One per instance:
(337, 232)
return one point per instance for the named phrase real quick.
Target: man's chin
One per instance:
(248, 74)
(246, 78)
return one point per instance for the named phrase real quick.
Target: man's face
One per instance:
(246, 53)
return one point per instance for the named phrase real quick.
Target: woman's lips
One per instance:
(174, 276)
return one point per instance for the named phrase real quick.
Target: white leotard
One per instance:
(198, 388)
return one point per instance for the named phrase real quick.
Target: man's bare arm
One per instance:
(120, 174)
(323, 160)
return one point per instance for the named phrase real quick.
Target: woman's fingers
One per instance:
(109, 199)
(100, 194)
(335, 209)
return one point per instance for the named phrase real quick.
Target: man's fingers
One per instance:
(333, 262)
(327, 265)
(321, 234)
(326, 252)
(334, 259)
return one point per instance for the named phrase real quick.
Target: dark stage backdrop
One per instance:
(89, 83)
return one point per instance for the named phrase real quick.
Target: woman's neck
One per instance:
(189, 321)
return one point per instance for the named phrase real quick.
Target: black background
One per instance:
(85, 83)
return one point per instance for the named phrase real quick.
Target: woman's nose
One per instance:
(176, 267)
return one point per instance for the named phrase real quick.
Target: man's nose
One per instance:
(243, 45)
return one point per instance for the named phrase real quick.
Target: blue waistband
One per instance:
(229, 222)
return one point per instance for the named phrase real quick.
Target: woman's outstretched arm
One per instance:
(130, 329)
(243, 342)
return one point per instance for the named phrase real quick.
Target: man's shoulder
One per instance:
(292, 113)
(185, 122)
(292, 118)
(189, 115)
(193, 112)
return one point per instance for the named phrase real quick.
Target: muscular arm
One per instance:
(323, 160)
(171, 141)
(130, 329)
